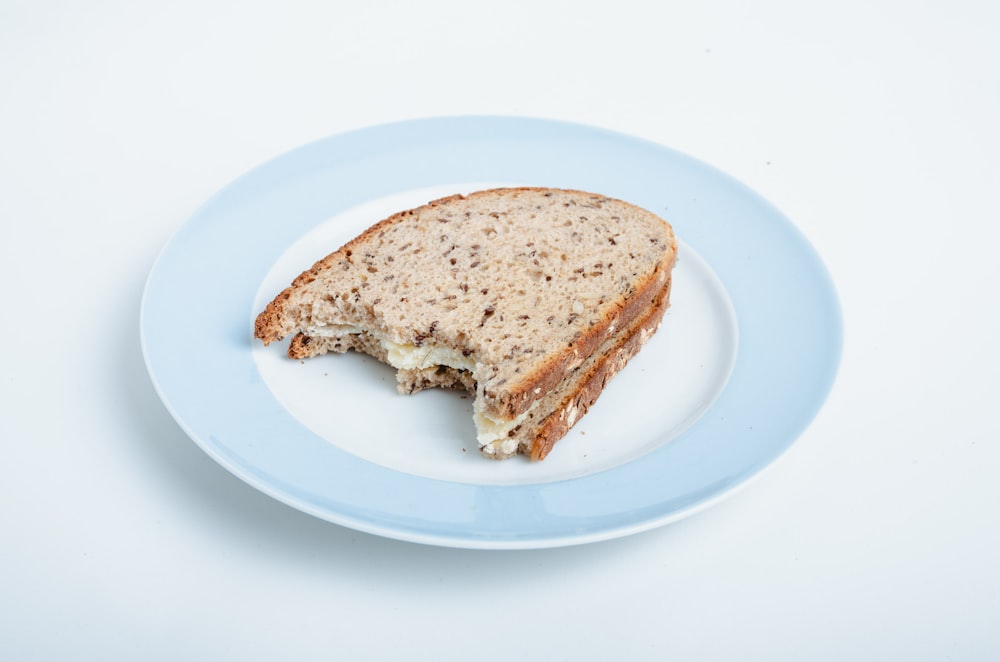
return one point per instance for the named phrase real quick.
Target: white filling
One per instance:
(491, 433)
(402, 356)
(332, 330)
(410, 356)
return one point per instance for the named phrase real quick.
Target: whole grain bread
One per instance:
(530, 298)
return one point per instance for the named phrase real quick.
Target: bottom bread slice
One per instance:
(535, 432)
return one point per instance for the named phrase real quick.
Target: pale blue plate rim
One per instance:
(199, 293)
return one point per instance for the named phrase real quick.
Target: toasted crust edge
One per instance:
(590, 388)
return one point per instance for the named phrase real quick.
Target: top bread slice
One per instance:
(512, 290)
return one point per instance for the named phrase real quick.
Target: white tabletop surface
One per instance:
(872, 125)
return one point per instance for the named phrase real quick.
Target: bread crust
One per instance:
(518, 399)
(514, 398)
(576, 403)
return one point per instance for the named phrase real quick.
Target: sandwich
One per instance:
(530, 299)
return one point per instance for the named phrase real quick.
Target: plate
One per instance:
(745, 358)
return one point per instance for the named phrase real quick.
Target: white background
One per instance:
(873, 125)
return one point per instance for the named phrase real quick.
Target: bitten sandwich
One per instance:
(531, 299)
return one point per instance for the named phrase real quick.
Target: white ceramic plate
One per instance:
(744, 359)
